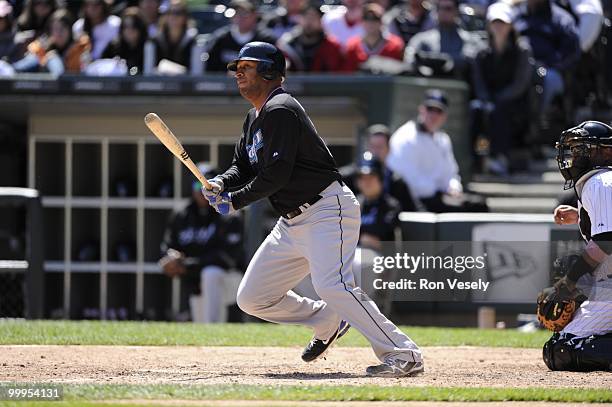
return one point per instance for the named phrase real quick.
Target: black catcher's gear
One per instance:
(271, 62)
(577, 148)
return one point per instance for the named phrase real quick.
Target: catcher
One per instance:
(579, 306)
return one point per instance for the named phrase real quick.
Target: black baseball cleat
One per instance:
(316, 348)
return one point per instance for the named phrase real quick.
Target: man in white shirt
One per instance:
(423, 156)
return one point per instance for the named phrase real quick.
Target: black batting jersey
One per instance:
(280, 156)
(595, 203)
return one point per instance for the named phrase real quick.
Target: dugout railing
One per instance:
(28, 272)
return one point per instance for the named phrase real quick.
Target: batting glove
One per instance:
(224, 206)
(213, 194)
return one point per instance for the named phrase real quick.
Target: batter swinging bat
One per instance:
(168, 139)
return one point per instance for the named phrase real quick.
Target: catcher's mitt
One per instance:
(556, 306)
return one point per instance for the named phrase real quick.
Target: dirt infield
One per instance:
(444, 366)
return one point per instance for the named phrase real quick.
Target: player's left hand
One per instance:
(213, 195)
(223, 204)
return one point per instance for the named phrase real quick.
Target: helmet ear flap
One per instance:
(266, 71)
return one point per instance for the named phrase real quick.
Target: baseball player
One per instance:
(280, 156)
(584, 158)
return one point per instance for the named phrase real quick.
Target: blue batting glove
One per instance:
(213, 195)
(224, 206)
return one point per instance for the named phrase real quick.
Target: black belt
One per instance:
(297, 212)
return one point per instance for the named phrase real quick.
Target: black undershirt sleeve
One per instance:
(280, 143)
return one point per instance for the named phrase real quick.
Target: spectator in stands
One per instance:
(176, 39)
(307, 48)
(343, 23)
(284, 18)
(501, 76)
(589, 17)
(149, 10)
(374, 41)
(227, 41)
(377, 145)
(205, 250)
(554, 42)
(378, 209)
(378, 136)
(130, 44)
(57, 52)
(98, 24)
(10, 51)
(423, 156)
(409, 18)
(445, 49)
(34, 17)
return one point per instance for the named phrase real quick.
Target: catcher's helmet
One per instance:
(271, 62)
(577, 148)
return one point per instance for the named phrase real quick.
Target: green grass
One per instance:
(78, 394)
(19, 332)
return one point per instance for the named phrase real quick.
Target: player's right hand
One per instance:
(565, 284)
(174, 268)
(565, 215)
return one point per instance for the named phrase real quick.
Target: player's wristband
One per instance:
(579, 269)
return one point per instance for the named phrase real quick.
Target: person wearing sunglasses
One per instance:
(422, 154)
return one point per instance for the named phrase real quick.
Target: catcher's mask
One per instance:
(577, 150)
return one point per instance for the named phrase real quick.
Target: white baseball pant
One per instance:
(321, 241)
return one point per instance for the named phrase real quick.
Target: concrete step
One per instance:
(522, 205)
(548, 177)
(500, 189)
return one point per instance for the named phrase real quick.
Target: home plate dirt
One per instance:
(444, 367)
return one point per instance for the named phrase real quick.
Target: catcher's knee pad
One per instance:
(557, 354)
(578, 354)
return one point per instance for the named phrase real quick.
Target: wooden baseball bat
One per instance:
(168, 139)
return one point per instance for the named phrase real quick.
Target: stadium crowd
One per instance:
(548, 55)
